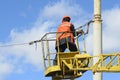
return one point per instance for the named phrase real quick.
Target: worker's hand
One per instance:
(80, 32)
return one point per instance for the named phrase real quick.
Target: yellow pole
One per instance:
(97, 33)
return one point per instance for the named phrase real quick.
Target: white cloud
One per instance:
(62, 8)
(19, 71)
(111, 27)
(111, 39)
(24, 54)
(5, 68)
(47, 21)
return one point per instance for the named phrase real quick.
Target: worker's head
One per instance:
(66, 19)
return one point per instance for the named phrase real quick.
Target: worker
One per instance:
(65, 35)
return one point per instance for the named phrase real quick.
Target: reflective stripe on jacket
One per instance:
(64, 31)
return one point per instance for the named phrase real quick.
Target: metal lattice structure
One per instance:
(71, 65)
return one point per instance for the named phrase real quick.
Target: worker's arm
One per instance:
(72, 29)
(75, 33)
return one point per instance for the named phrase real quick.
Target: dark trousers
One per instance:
(71, 47)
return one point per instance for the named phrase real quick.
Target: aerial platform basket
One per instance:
(61, 65)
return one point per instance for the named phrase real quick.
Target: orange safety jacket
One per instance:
(64, 31)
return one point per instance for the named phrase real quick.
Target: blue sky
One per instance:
(27, 20)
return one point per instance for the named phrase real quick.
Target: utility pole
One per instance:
(97, 34)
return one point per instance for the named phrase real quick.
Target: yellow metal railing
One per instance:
(48, 47)
(73, 64)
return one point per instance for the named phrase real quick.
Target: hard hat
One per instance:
(66, 17)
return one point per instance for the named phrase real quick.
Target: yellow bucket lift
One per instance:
(67, 63)
(71, 65)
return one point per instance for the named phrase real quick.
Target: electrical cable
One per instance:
(42, 37)
(14, 45)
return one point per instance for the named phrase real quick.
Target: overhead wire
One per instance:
(9, 45)
(41, 38)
